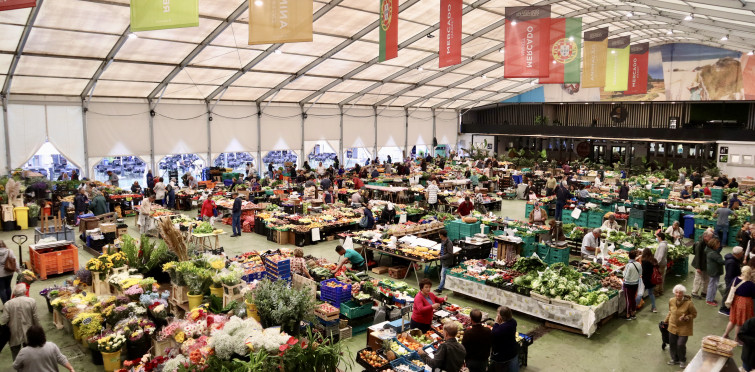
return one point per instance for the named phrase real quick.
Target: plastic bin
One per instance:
(21, 215)
(54, 261)
(689, 226)
(352, 309)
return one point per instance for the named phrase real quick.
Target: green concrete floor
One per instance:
(619, 345)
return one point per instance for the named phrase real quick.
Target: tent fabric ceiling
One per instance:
(74, 49)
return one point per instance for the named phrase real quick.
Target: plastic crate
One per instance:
(352, 309)
(542, 251)
(640, 222)
(556, 255)
(335, 293)
(680, 266)
(528, 250)
(64, 233)
(51, 261)
(704, 222)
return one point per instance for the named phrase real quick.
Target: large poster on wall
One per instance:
(675, 72)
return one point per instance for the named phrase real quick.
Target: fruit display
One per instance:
(409, 342)
(612, 282)
(398, 349)
(372, 358)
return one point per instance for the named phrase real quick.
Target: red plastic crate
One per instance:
(49, 262)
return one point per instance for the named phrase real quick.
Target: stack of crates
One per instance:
(671, 216)
(452, 227)
(335, 295)
(582, 220)
(529, 246)
(717, 194)
(595, 219)
(636, 218)
(654, 214)
(542, 252)
(566, 216)
(359, 316)
(556, 255)
(732, 237)
(468, 229)
(280, 270)
(527, 209)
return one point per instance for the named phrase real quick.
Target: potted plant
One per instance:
(110, 346)
(279, 304)
(34, 210)
(198, 280)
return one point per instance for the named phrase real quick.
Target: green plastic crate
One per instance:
(527, 209)
(353, 310)
(528, 250)
(556, 255)
(566, 217)
(640, 222)
(542, 251)
(680, 267)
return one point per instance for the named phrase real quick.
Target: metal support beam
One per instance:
(199, 48)
(89, 89)
(713, 36)
(209, 135)
(20, 48)
(152, 138)
(374, 109)
(84, 109)
(6, 133)
(406, 133)
(340, 139)
(674, 21)
(697, 10)
(270, 50)
(434, 131)
(303, 148)
(259, 139)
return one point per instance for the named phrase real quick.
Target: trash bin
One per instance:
(22, 217)
(689, 225)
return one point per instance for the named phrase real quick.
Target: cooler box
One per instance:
(689, 226)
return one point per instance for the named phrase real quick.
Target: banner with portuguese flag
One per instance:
(638, 68)
(388, 30)
(17, 4)
(565, 51)
(617, 65)
(449, 50)
(594, 58)
(149, 15)
(527, 36)
(280, 21)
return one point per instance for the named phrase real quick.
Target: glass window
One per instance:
(356, 155)
(321, 154)
(175, 166)
(237, 161)
(129, 169)
(680, 150)
(652, 148)
(279, 159)
(49, 163)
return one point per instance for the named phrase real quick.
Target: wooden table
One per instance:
(414, 261)
(204, 241)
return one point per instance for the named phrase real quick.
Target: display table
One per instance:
(705, 361)
(414, 261)
(205, 241)
(585, 318)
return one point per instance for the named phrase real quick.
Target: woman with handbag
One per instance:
(650, 277)
(740, 301)
(9, 267)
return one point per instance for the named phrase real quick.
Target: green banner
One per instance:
(149, 15)
(617, 65)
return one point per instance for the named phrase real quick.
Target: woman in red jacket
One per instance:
(425, 304)
(208, 208)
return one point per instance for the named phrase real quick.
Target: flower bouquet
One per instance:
(198, 280)
(137, 331)
(134, 292)
(83, 276)
(111, 343)
(89, 323)
(27, 277)
(148, 284)
(158, 310)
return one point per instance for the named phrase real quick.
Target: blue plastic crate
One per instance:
(254, 276)
(334, 293)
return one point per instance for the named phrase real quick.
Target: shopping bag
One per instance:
(664, 334)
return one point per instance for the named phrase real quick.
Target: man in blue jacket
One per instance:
(733, 265)
(562, 195)
(236, 215)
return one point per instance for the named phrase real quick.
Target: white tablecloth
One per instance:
(584, 318)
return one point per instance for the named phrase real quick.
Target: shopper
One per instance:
(208, 209)
(743, 236)
(465, 208)
(675, 232)
(742, 301)
(562, 195)
(477, 341)
(715, 268)
(734, 202)
(299, 264)
(39, 355)
(538, 215)
(624, 191)
(699, 262)
(9, 266)
(591, 243)
(450, 354)
(632, 276)
(159, 189)
(661, 255)
(98, 205)
(446, 258)
(171, 194)
(680, 318)
(706, 191)
(136, 188)
(733, 268)
(722, 224)
(504, 355)
(747, 336)
(74, 175)
(686, 193)
(432, 195)
(648, 267)
(19, 314)
(425, 304)
(357, 261)
(80, 203)
(388, 215)
(236, 215)
(150, 180)
(550, 185)
(368, 219)
(112, 178)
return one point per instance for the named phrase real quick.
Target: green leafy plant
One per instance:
(279, 304)
(216, 305)
(316, 354)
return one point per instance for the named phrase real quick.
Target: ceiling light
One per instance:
(725, 37)
(561, 103)
(586, 103)
(278, 51)
(258, 3)
(750, 53)
(484, 77)
(670, 32)
(430, 36)
(501, 50)
(132, 36)
(571, 38)
(554, 61)
(689, 17)
(613, 52)
(419, 68)
(630, 14)
(513, 22)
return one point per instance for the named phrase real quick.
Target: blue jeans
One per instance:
(442, 277)
(649, 292)
(236, 224)
(712, 288)
(722, 232)
(559, 210)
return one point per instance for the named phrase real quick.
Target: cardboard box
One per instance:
(397, 272)
(121, 231)
(107, 227)
(380, 270)
(281, 237)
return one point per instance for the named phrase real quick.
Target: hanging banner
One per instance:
(280, 21)
(388, 30)
(565, 51)
(638, 69)
(17, 4)
(449, 50)
(617, 64)
(149, 15)
(527, 37)
(594, 58)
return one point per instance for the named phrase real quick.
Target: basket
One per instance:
(344, 333)
(353, 310)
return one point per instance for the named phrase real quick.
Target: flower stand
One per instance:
(100, 286)
(232, 293)
(57, 319)
(179, 293)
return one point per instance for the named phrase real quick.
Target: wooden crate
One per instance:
(179, 294)
(100, 286)
(397, 272)
(53, 262)
(301, 282)
(344, 333)
(232, 293)
(380, 270)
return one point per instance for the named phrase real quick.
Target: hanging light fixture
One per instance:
(689, 17)
(725, 37)
(750, 53)
(670, 32)
(630, 14)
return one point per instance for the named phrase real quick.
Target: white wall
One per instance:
(122, 128)
(741, 161)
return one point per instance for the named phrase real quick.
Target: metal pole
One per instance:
(84, 110)
(303, 149)
(259, 139)
(374, 108)
(6, 130)
(406, 134)
(152, 138)
(340, 141)
(434, 135)
(209, 136)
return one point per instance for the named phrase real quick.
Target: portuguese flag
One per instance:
(388, 30)
(565, 53)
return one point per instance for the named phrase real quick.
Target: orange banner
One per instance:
(280, 21)
(595, 47)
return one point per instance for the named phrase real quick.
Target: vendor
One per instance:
(388, 215)
(591, 243)
(538, 215)
(358, 183)
(734, 202)
(610, 223)
(450, 354)
(327, 196)
(145, 210)
(686, 194)
(299, 264)
(193, 184)
(357, 261)
(356, 200)
(624, 191)
(465, 208)
(425, 305)
(675, 231)
(136, 188)
(112, 178)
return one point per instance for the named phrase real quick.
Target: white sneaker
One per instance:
(682, 365)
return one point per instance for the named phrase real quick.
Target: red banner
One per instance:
(16, 4)
(527, 42)
(449, 50)
(638, 69)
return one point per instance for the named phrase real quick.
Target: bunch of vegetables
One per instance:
(203, 228)
(529, 264)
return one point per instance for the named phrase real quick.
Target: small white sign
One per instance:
(316, 234)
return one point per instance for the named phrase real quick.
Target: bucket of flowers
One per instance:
(110, 346)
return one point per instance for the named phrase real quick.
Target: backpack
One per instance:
(10, 264)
